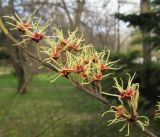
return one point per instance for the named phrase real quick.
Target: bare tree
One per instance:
(18, 58)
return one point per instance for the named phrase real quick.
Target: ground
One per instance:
(52, 110)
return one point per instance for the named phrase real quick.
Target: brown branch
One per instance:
(41, 61)
(27, 4)
(146, 130)
(87, 90)
(90, 92)
(6, 32)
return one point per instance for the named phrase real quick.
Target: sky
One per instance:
(125, 8)
(112, 8)
(133, 7)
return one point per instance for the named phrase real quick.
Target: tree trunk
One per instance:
(18, 64)
(78, 12)
(21, 81)
(146, 48)
(18, 60)
(144, 8)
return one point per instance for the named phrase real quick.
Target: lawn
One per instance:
(51, 110)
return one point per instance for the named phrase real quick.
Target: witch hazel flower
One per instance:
(50, 50)
(37, 36)
(63, 72)
(75, 41)
(104, 62)
(86, 54)
(97, 77)
(70, 43)
(65, 69)
(31, 28)
(79, 68)
(127, 92)
(55, 54)
(38, 32)
(95, 74)
(120, 116)
(23, 26)
(85, 64)
(130, 94)
(119, 111)
(55, 49)
(61, 44)
(97, 67)
(104, 67)
(88, 63)
(20, 24)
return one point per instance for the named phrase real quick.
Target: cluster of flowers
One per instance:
(72, 57)
(127, 111)
(68, 54)
(30, 26)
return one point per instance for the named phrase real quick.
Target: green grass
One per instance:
(42, 99)
(51, 110)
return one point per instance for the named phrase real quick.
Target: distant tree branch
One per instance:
(67, 12)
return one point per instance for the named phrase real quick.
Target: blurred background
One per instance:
(31, 106)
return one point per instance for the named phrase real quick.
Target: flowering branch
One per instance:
(127, 111)
(82, 65)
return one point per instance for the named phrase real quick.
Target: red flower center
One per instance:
(97, 77)
(127, 93)
(103, 67)
(130, 92)
(55, 54)
(79, 68)
(36, 36)
(123, 94)
(120, 110)
(66, 72)
(74, 47)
